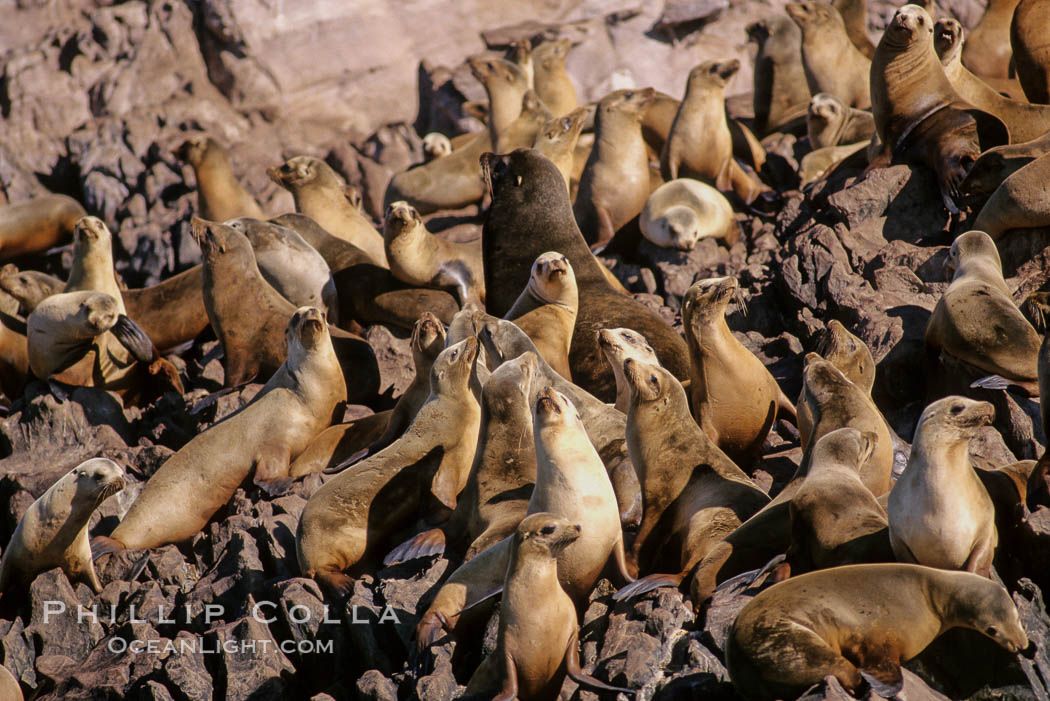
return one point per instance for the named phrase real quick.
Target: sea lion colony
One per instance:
(580, 448)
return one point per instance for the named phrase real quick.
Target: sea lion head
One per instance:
(820, 378)
(96, 480)
(28, 289)
(812, 15)
(532, 107)
(552, 280)
(195, 149)
(947, 38)
(508, 390)
(826, 114)
(520, 52)
(847, 353)
(679, 228)
(758, 32)
(219, 241)
(436, 145)
(844, 446)
(955, 418)
(400, 218)
(648, 381)
(89, 233)
(453, 366)
(306, 330)
(986, 606)
(545, 534)
(525, 186)
(99, 311)
(301, 171)
(706, 301)
(620, 344)
(910, 25)
(973, 247)
(551, 53)
(632, 103)
(428, 336)
(552, 408)
(566, 128)
(713, 73)
(490, 68)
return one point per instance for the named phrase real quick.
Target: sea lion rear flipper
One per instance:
(572, 668)
(991, 382)
(423, 544)
(885, 680)
(647, 584)
(132, 337)
(101, 545)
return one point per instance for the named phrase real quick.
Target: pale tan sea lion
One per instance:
(54, 530)
(219, 194)
(37, 224)
(987, 50)
(436, 145)
(9, 686)
(940, 514)
(259, 441)
(859, 620)
(552, 80)
(522, 132)
(829, 122)
(617, 346)
(546, 309)
(855, 18)
(780, 92)
(557, 141)
(681, 212)
(849, 354)
(832, 63)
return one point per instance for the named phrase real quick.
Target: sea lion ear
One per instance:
(991, 131)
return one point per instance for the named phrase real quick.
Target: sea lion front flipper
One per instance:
(885, 680)
(572, 668)
(647, 584)
(356, 457)
(786, 406)
(101, 545)
(498, 591)
(509, 691)
(423, 544)
(339, 584)
(132, 337)
(621, 561)
(271, 472)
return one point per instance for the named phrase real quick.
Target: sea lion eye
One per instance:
(991, 631)
(453, 355)
(652, 379)
(547, 530)
(629, 94)
(957, 409)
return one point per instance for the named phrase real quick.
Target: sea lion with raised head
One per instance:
(780, 92)
(220, 196)
(681, 212)
(37, 224)
(855, 19)
(54, 530)
(552, 81)
(940, 513)
(546, 309)
(829, 122)
(850, 355)
(831, 61)
(557, 141)
(618, 345)
(859, 622)
(522, 132)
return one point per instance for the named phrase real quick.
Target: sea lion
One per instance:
(455, 181)
(522, 132)
(29, 287)
(249, 317)
(976, 321)
(1018, 203)
(734, 398)
(850, 355)
(615, 182)
(855, 19)
(618, 345)
(552, 81)
(436, 145)
(531, 214)
(557, 141)
(571, 483)
(420, 258)
(546, 309)
(258, 441)
(333, 447)
(919, 117)
(538, 640)
(291, 265)
(693, 495)
(831, 61)
(823, 162)
(37, 224)
(780, 92)
(835, 519)
(318, 192)
(681, 212)
(337, 253)
(939, 512)
(700, 145)
(1031, 49)
(997, 164)
(988, 48)
(829, 122)
(345, 523)
(9, 686)
(859, 622)
(829, 401)
(54, 530)
(1024, 120)
(220, 196)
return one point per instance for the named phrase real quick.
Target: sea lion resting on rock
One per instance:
(1020, 202)
(681, 212)
(37, 224)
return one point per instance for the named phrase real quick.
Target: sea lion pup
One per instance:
(552, 81)
(1031, 49)
(919, 117)
(780, 92)
(734, 398)
(1025, 121)
(557, 141)
(348, 520)
(940, 513)
(850, 355)
(418, 257)
(693, 495)
(830, 123)
(538, 640)
(988, 47)
(571, 483)
(700, 145)
(829, 401)
(436, 145)
(455, 181)
(831, 61)
(531, 214)
(522, 132)
(859, 622)
(219, 194)
(291, 265)
(546, 309)
(258, 441)
(319, 193)
(681, 212)
(1018, 203)
(855, 18)
(615, 182)
(997, 164)
(337, 253)
(249, 317)
(835, 519)
(54, 530)
(976, 321)
(618, 345)
(37, 224)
